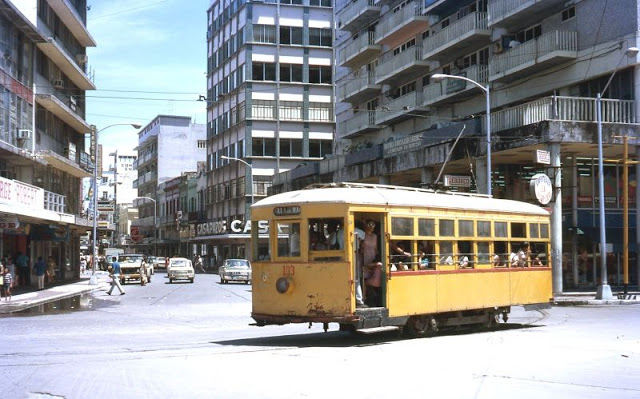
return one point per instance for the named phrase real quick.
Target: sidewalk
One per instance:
(589, 298)
(26, 297)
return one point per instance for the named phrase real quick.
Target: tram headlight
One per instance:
(284, 285)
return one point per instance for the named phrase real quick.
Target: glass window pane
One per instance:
(445, 253)
(402, 226)
(544, 230)
(518, 230)
(484, 229)
(446, 228)
(288, 239)
(501, 229)
(270, 147)
(534, 230)
(483, 252)
(465, 228)
(426, 227)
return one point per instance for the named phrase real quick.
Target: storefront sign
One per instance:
(236, 227)
(401, 146)
(541, 188)
(542, 156)
(17, 193)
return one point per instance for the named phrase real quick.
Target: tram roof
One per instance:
(384, 195)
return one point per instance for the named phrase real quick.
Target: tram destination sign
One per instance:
(286, 210)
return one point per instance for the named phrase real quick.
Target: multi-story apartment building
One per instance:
(167, 147)
(269, 104)
(124, 174)
(44, 70)
(543, 63)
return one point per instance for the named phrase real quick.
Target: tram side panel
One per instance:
(531, 286)
(312, 289)
(412, 294)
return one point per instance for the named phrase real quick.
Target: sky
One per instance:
(150, 59)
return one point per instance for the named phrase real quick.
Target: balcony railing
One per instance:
(291, 111)
(360, 122)
(401, 106)
(455, 33)
(535, 52)
(560, 108)
(359, 50)
(521, 11)
(358, 13)
(403, 62)
(355, 86)
(408, 17)
(449, 88)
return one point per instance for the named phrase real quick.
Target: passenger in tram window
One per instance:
(497, 260)
(425, 258)
(399, 256)
(536, 262)
(524, 255)
(463, 262)
(464, 251)
(336, 234)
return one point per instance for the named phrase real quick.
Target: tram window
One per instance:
(465, 228)
(426, 255)
(518, 230)
(500, 256)
(534, 230)
(446, 228)
(401, 226)
(483, 252)
(465, 254)
(500, 229)
(446, 253)
(544, 230)
(538, 254)
(484, 229)
(288, 239)
(325, 234)
(426, 227)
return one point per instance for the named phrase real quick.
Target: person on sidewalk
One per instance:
(40, 268)
(115, 277)
(23, 269)
(6, 284)
(198, 262)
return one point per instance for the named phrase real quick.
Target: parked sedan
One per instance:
(180, 269)
(235, 270)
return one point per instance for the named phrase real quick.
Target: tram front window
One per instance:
(288, 239)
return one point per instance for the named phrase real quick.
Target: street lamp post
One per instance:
(250, 172)
(604, 290)
(440, 76)
(155, 226)
(95, 133)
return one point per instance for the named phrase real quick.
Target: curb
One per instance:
(32, 299)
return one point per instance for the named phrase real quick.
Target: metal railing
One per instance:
(353, 10)
(560, 108)
(356, 46)
(453, 32)
(533, 49)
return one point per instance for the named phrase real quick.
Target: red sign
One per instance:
(135, 234)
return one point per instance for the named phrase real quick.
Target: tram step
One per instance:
(374, 330)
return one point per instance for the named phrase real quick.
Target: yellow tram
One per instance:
(442, 259)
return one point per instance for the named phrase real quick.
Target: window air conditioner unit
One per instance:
(24, 134)
(72, 102)
(58, 84)
(82, 58)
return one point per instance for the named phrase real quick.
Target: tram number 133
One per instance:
(288, 270)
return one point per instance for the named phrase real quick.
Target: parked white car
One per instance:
(180, 269)
(235, 270)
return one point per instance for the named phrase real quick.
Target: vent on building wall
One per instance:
(58, 84)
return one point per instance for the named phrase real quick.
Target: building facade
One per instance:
(544, 64)
(44, 151)
(269, 105)
(167, 147)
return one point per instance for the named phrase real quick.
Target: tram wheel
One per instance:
(419, 326)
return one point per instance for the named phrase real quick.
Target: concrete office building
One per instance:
(123, 192)
(269, 106)
(167, 147)
(43, 155)
(544, 62)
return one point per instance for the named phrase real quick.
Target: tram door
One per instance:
(368, 258)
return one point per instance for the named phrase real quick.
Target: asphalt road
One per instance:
(187, 340)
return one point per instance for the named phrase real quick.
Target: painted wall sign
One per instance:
(235, 227)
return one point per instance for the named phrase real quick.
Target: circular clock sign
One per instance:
(541, 188)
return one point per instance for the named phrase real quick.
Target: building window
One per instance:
(290, 148)
(319, 148)
(264, 33)
(202, 144)
(569, 13)
(404, 47)
(290, 73)
(320, 37)
(296, 2)
(319, 74)
(320, 3)
(290, 35)
(529, 34)
(408, 88)
(263, 147)
(264, 71)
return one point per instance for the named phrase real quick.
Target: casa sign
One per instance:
(236, 227)
(541, 188)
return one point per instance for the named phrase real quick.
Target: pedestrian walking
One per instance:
(198, 262)
(115, 277)
(12, 269)
(83, 264)
(23, 268)
(6, 284)
(40, 268)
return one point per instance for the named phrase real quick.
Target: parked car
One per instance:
(235, 270)
(130, 267)
(180, 269)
